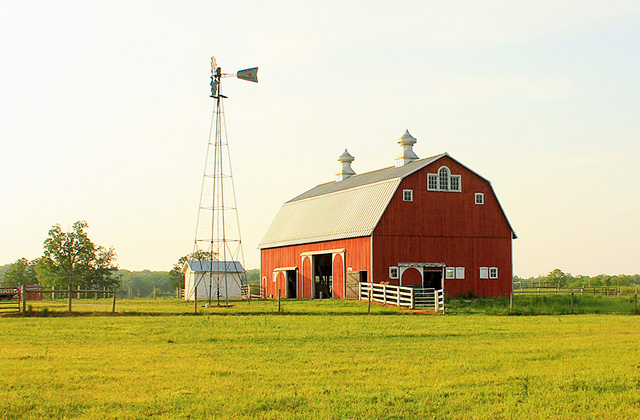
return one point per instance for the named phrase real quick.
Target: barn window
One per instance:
(460, 272)
(484, 272)
(493, 272)
(479, 198)
(407, 195)
(393, 272)
(432, 182)
(451, 273)
(454, 182)
(444, 181)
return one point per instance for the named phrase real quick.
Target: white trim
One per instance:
(484, 273)
(436, 177)
(460, 273)
(493, 273)
(479, 199)
(285, 268)
(397, 272)
(326, 251)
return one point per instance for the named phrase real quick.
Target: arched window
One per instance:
(443, 179)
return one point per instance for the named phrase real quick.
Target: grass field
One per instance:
(317, 359)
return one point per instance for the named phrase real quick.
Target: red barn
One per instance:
(431, 222)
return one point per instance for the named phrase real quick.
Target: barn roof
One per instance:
(350, 208)
(218, 266)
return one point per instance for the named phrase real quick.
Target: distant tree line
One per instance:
(71, 259)
(563, 279)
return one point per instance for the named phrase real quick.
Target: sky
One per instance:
(105, 115)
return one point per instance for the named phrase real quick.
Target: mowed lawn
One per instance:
(322, 360)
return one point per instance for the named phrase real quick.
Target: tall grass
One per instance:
(545, 305)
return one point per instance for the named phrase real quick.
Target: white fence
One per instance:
(409, 297)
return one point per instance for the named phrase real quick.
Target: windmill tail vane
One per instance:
(250, 75)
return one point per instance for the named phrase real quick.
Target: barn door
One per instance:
(353, 279)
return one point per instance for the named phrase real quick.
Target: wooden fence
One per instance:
(402, 296)
(550, 290)
(10, 298)
(251, 291)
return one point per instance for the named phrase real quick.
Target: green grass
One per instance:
(320, 360)
(544, 305)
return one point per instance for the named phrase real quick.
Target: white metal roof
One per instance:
(342, 214)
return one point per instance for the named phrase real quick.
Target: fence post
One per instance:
(571, 302)
(24, 298)
(413, 299)
(435, 300)
(53, 292)
(370, 296)
(398, 296)
(278, 299)
(113, 307)
(511, 300)
(384, 293)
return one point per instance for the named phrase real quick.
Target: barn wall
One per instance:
(356, 257)
(446, 227)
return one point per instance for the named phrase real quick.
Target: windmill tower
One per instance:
(218, 242)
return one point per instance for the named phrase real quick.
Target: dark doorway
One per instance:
(292, 280)
(432, 279)
(323, 276)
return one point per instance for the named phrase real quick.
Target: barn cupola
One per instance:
(345, 159)
(407, 154)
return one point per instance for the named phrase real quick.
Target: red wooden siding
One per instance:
(357, 255)
(338, 277)
(410, 277)
(446, 227)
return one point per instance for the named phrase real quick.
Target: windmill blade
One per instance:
(249, 74)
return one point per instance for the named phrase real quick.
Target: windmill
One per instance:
(218, 242)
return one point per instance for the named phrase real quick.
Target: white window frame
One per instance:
(407, 195)
(434, 181)
(484, 273)
(430, 178)
(394, 272)
(460, 273)
(493, 273)
(450, 273)
(458, 179)
(479, 199)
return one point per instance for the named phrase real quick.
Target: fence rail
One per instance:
(251, 291)
(10, 298)
(549, 290)
(402, 296)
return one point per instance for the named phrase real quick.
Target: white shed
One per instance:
(213, 281)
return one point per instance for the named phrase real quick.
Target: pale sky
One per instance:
(105, 115)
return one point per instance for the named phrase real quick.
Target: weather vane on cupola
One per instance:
(218, 244)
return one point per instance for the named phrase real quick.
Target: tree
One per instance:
(72, 258)
(20, 272)
(557, 276)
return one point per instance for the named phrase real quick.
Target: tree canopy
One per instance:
(70, 258)
(20, 272)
